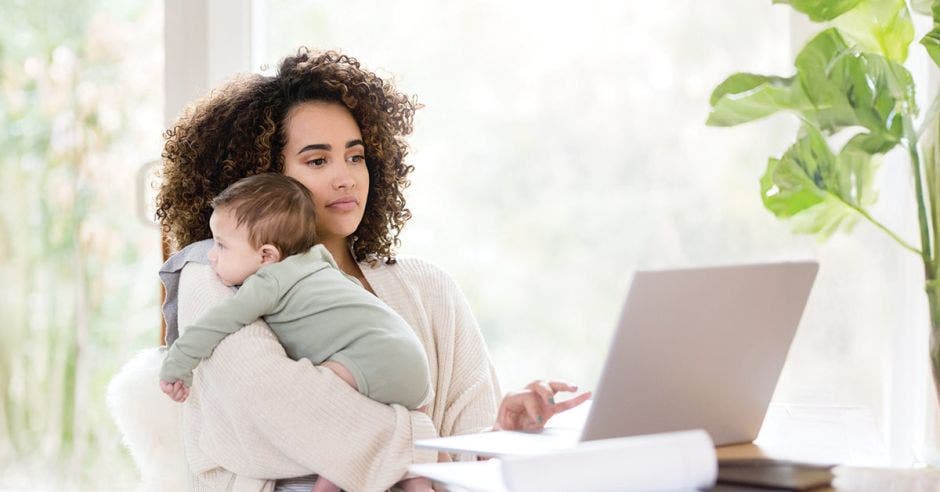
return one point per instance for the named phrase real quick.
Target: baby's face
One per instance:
(232, 256)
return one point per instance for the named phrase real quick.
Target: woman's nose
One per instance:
(343, 179)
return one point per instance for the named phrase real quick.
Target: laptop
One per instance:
(698, 348)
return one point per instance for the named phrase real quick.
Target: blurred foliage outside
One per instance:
(559, 150)
(81, 86)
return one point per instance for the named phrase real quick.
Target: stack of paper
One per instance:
(672, 461)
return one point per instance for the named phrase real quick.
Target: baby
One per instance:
(264, 234)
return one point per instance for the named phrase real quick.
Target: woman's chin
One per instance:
(337, 233)
(340, 228)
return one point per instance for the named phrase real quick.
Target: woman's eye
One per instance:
(358, 158)
(316, 162)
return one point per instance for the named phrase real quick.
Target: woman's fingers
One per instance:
(533, 409)
(546, 399)
(573, 402)
(557, 386)
(544, 390)
(522, 410)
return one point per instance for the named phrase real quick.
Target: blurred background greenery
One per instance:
(81, 110)
(560, 148)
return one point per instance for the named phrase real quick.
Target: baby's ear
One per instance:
(270, 254)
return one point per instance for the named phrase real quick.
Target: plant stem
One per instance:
(887, 231)
(933, 302)
(911, 144)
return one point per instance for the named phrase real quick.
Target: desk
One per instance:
(844, 435)
(854, 478)
(818, 434)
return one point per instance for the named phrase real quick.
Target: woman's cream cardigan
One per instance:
(255, 415)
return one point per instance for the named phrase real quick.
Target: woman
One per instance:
(253, 412)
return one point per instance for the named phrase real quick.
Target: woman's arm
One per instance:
(474, 394)
(257, 413)
(471, 391)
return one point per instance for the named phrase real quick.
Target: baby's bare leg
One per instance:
(342, 372)
(418, 484)
(324, 485)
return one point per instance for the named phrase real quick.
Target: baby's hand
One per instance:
(177, 391)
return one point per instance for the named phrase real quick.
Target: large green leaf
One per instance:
(745, 97)
(835, 87)
(879, 91)
(931, 40)
(829, 107)
(856, 165)
(879, 26)
(820, 191)
(821, 10)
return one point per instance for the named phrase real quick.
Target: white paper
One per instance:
(659, 462)
(483, 476)
(673, 461)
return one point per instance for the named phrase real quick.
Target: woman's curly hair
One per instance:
(240, 130)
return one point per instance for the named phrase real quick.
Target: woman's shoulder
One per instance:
(413, 281)
(415, 270)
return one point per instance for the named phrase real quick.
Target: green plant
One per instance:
(850, 86)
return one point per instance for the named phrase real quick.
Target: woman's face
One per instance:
(326, 153)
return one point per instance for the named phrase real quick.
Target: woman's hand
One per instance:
(531, 408)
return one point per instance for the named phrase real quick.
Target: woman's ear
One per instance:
(270, 254)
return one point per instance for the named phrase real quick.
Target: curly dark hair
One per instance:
(239, 130)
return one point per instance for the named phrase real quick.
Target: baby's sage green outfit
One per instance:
(318, 313)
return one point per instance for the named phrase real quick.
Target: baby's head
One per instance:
(259, 220)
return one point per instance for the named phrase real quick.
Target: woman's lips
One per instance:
(344, 204)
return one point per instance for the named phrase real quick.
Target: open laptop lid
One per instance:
(695, 348)
(700, 348)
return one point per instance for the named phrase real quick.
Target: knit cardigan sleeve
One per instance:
(474, 393)
(255, 413)
(467, 390)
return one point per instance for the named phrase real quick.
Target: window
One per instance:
(560, 149)
(80, 101)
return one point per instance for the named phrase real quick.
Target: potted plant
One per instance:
(850, 86)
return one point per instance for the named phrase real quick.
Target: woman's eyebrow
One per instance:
(328, 147)
(315, 147)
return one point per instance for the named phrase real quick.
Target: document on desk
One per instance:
(683, 460)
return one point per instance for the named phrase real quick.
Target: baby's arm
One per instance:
(257, 297)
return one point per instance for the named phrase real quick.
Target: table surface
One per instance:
(847, 477)
(843, 436)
